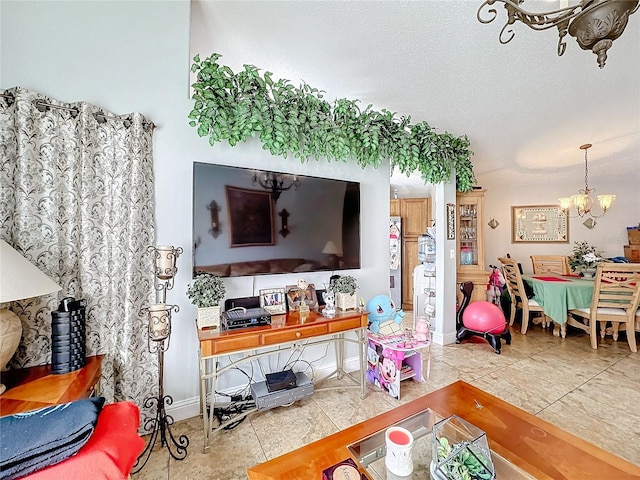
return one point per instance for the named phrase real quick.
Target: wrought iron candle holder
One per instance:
(158, 338)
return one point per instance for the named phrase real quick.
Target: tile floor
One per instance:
(594, 394)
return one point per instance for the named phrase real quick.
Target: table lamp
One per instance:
(333, 252)
(19, 279)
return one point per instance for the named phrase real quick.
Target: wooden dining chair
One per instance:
(515, 287)
(556, 264)
(616, 295)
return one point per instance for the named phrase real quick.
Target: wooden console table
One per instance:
(36, 387)
(289, 331)
(536, 447)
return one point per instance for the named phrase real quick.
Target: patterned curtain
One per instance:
(77, 199)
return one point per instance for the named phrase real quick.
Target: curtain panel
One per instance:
(77, 199)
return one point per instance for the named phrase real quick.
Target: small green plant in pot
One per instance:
(345, 288)
(206, 292)
(460, 451)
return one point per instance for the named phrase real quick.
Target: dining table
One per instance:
(557, 294)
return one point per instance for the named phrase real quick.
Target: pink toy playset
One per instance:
(392, 359)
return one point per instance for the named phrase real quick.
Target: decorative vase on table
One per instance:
(584, 259)
(346, 301)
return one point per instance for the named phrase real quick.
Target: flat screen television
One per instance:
(257, 222)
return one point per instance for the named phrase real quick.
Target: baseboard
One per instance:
(190, 407)
(446, 339)
(183, 409)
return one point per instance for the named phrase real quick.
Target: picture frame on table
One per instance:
(273, 300)
(293, 297)
(539, 224)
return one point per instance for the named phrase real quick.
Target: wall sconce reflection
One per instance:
(284, 231)
(493, 223)
(214, 208)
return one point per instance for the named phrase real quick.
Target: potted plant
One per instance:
(584, 259)
(345, 288)
(460, 451)
(206, 292)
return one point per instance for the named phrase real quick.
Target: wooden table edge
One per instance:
(455, 399)
(82, 384)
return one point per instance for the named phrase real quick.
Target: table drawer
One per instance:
(270, 338)
(346, 324)
(229, 344)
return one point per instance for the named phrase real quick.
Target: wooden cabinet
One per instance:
(469, 240)
(416, 217)
(394, 207)
(415, 213)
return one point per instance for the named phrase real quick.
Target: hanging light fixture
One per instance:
(595, 24)
(276, 183)
(583, 201)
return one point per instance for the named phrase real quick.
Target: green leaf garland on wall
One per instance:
(300, 122)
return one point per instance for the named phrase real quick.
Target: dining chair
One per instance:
(557, 264)
(515, 287)
(616, 295)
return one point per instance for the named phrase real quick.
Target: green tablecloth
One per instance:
(558, 297)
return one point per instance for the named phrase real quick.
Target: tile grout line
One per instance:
(581, 385)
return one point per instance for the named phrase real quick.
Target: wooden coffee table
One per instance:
(525, 441)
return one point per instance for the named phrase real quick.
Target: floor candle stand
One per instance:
(159, 335)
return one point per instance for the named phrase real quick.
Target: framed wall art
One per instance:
(451, 221)
(539, 224)
(294, 295)
(250, 217)
(273, 300)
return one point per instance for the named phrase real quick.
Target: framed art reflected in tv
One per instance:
(257, 222)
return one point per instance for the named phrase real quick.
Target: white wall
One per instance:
(609, 235)
(134, 56)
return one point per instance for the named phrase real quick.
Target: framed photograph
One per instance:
(294, 295)
(451, 221)
(250, 217)
(539, 224)
(273, 300)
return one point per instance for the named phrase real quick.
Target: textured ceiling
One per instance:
(525, 110)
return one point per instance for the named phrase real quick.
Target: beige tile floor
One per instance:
(594, 394)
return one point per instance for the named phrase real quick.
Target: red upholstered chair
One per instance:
(109, 454)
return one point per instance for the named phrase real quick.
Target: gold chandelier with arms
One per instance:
(595, 24)
(583, 202)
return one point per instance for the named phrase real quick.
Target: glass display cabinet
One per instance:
(469, 239)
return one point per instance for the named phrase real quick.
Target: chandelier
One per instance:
(583, 201)
(595, 24)
(276, 183)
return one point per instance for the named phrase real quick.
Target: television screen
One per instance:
(256, 222)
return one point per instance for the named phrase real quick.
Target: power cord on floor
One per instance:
(237, 406)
